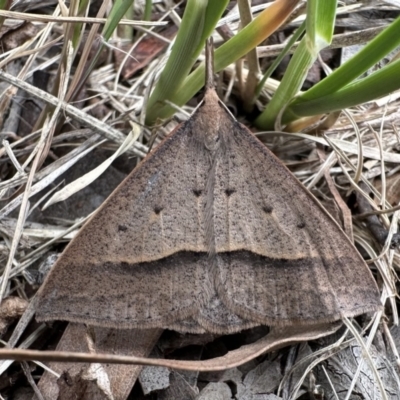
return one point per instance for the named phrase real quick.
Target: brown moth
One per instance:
(211, 232)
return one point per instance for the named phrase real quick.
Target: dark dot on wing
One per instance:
(197, 193)
(122, 228)
(267, 209)
(229, 192)
(157, 209)
(301, 225)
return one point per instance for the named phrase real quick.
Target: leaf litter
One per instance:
(30, 233)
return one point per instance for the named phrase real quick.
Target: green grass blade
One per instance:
(299, 31)
(321, 15)
(291, 82)
(147, 10)
(198, 22)
(320, 23)
(372, 53)
(248, 38)
(376, 85)
(4, 5)
(118, 10)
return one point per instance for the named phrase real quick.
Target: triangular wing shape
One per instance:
(282, 258)
(209, 232)
(123, 268)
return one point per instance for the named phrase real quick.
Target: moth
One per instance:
(210, 232)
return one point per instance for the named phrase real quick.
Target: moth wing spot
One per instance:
(268, 209)
(197, 192)
(301, 225)
(157, 210)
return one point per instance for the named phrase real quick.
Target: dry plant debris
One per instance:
(85, 141)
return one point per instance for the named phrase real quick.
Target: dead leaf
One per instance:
(16, 35)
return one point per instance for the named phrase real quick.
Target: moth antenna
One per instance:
(210, 84)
